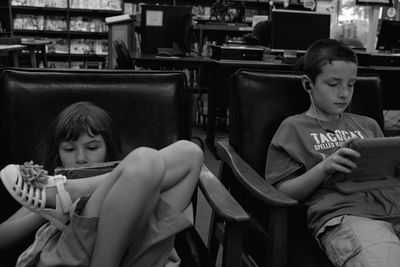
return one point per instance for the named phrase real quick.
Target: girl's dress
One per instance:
(74, 245)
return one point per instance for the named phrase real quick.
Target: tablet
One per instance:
(377, 167)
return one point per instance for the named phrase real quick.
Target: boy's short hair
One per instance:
(323, 52)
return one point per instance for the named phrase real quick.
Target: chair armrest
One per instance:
(219, 198)
(250, 179)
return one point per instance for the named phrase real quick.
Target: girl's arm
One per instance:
(302, 186)
(18, 227)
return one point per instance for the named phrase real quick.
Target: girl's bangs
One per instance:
(74, 128)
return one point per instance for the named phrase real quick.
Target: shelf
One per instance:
(65, 56)
(39, 9)
(87, 57)
(223, 27)
(89, 35)
(40, 33)
(251, 1)
(101, 12)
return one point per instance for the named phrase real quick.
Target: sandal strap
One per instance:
(54, 180)
(62, 194)
(36, 197)
(65, 198)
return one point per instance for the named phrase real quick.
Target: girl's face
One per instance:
(84, 151)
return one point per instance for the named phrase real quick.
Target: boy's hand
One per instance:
(341, 160)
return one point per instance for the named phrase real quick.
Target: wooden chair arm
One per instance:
(250, 179)
(220, 199)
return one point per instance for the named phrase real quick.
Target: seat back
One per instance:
(261, 100)
(391, 94)
(147, 108)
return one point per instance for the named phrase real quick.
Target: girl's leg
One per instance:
(184, 160)
(125, 201)
(133, 196)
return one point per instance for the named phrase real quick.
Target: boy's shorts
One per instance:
(74, 245)
(356, 241)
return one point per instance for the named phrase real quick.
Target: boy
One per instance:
(358, 229)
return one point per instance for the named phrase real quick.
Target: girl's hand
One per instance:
(341, 160)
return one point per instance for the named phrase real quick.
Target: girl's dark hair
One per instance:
(323, 52)
(75, 120)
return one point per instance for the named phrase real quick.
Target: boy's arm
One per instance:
(304, 185)
(19, 226)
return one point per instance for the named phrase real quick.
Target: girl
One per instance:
(127, 217)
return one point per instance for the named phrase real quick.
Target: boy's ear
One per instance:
(306, 83)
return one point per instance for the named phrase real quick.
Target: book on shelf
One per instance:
(87, 24)
(55, 23)
(40, 23)
(57, 46)
(40, 3)
(99, 4)
(58, 65)
(89, 47)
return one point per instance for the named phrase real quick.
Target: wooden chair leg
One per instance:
(213, 242)
(44, 56)
(277, 252)
(14, 58)
(33, 57)
(232, 256)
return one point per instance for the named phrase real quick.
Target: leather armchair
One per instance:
(149, 108)
(259, 101)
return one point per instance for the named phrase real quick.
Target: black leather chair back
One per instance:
(391, 94)
(260, 100)
(148, 109)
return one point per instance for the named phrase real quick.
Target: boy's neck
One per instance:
(311, 113)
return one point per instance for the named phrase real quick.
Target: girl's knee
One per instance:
(145, 164)
(190, 151)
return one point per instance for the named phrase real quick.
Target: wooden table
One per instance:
(36, 45)
(12, 50)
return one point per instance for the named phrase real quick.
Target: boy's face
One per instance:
(333, 88)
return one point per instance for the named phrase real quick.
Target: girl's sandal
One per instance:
(27, 184)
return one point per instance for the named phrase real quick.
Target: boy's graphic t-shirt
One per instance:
(300, 143)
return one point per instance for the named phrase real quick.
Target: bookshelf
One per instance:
(76, 30)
